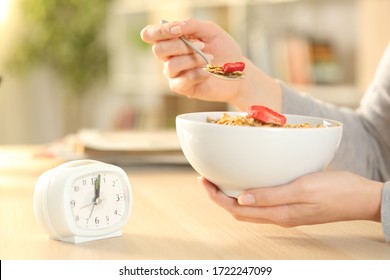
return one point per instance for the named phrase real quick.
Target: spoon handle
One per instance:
(198, 51)
(192, 46)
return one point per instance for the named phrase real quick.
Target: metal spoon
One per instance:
(207, 59)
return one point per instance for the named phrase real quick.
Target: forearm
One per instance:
(258, 89)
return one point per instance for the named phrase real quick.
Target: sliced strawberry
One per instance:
(266, 115)
(233, 66)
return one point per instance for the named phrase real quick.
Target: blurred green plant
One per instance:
(66, 35)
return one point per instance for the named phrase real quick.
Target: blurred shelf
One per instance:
(296, 41)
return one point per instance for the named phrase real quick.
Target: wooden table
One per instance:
(172, 218)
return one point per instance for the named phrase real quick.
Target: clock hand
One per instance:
(97, 189)
(93, 203)
(90, 214)
(97, 199)
(97, 202)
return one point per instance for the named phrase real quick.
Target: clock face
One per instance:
(98, 200)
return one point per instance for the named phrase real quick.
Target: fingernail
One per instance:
(199, 45)
(175, 29)
(246, 199)
(199, 179)
(211, 57)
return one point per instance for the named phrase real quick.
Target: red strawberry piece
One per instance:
(266, 115)
(233, 66)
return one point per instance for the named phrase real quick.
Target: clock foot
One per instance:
(83, 239)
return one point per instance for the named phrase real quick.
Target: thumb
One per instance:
(272, 196)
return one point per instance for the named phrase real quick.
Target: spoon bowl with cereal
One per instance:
(229, 71)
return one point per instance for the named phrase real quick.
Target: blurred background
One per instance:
(69, 64)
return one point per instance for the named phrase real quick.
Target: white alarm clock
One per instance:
(83, 200)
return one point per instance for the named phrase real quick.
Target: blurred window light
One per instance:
(4, 8)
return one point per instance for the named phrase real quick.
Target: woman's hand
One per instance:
(316, 198)
(183, 67)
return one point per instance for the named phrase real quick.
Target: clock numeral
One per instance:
(119, 197)
(72, 203)
(76, 188)
(107, 219)
(97, 221)
(84, 182)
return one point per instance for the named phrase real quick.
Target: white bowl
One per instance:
(236, 158)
